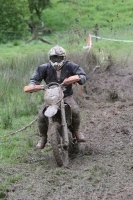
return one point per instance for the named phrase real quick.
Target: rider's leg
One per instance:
(42, 125)
(75, 118)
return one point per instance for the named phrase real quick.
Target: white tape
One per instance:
(87, 47)
(115, 40)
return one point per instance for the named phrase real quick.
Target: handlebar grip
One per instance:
(33, 88)
(71, 80)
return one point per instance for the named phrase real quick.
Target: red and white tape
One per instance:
(115, 40)
(89, 41)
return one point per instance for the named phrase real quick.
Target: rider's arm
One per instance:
(38, 75)
(82, 79)
(77, 70)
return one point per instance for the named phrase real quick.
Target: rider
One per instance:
(56, 70)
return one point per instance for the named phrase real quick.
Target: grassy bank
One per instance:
(72, 21)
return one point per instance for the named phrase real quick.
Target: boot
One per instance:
(75, 127)
(42, 126)
(41, 143)
(75, 119)
(80, 137)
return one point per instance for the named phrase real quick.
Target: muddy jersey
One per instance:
(47, 73)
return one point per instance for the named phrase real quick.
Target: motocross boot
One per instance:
(75, 119)
(75, 129)
(42, 125)
(41, 143)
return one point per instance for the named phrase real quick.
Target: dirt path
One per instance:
(103, 169)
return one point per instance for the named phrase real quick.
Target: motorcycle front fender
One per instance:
(51, 111)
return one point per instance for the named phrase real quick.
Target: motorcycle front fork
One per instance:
(64, 130)
(64, 125)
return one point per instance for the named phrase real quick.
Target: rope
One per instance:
(25, 127)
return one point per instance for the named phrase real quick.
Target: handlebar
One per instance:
(33, 88)
(36, 88)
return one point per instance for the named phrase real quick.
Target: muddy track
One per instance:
(103, 169)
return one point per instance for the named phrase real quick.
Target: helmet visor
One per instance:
(56, 58)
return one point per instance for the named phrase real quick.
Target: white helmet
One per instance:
(57, 57)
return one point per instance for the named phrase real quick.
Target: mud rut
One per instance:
(103, 169)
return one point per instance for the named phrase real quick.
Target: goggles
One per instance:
(57, 59)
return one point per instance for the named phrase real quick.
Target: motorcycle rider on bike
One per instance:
(56, 70)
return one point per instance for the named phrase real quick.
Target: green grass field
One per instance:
(72, 21)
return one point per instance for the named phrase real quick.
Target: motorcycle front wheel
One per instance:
(60, 153)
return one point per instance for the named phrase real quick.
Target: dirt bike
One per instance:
(59, 117)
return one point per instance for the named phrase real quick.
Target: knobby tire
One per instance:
(60, 154)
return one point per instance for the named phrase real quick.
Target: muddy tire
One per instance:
(60, 154)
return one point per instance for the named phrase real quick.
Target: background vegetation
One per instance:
(69, 23)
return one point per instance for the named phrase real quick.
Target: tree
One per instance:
(37, 6)
(17, 16)
(13, 17)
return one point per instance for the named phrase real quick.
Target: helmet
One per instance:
(57, 57)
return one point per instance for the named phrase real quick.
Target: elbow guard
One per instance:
(82, 79)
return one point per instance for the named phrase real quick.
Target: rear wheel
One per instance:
(60, 152)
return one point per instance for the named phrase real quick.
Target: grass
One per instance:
(85, 14)
(72, 21)
(11, 51)
(9, 181)
(71, 41)
(9, 151)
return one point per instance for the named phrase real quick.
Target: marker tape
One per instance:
(89, 42)
(115, 40)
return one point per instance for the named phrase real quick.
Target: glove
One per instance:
(71, 80)
(32, 88)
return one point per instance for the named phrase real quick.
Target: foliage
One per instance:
(37, 6)
(112, 17)
(13, 18)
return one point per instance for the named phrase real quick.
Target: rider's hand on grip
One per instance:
(32, 88)
(71, 80)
